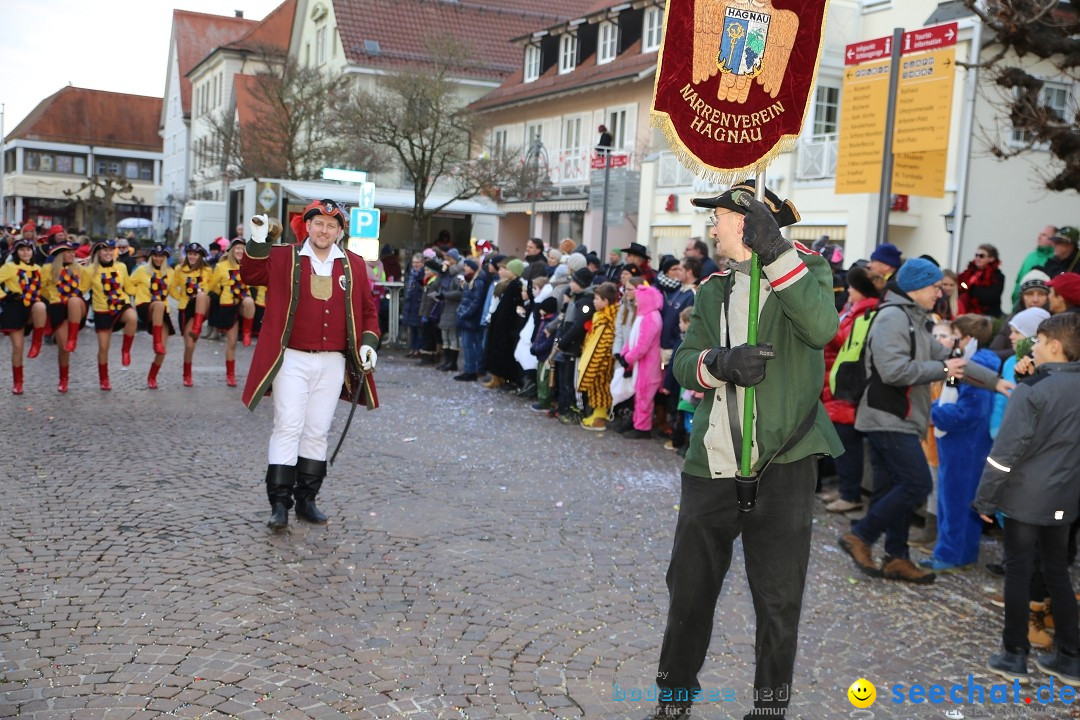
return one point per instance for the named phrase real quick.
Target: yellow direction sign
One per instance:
(924, 101)
(920, 173)
(862, 128)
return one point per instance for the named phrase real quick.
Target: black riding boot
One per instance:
(451, 361)
(309, 477)
(279, 489)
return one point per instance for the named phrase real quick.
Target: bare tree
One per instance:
(1024, 32)
(284, 128)
(422, 121)
(102, 194)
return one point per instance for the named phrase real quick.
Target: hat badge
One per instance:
(329, 208)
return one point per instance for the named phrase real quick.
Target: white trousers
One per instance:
(305, 393)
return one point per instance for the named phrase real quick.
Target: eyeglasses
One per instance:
(714, 219)
(981, 255)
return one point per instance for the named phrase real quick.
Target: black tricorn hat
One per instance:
(783, 211)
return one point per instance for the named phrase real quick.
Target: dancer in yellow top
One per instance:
(150, 285)
(236, 307)
(191, 282)
(108, 281)
(20, 293)
(67, 307)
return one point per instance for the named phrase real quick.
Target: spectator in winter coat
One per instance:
(469, 315)
(982, 283)
(430, 312)
(505, 326)
(863, 295)
(642, 357)
(963, 444)
(449, 295)
(410, 307)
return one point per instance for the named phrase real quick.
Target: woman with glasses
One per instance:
(982, 283)
(107, 280)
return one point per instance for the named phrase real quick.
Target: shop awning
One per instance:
(671, 231)
(809, 233)
(385, 198)
(546, 206)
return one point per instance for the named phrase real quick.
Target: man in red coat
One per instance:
(319, 318)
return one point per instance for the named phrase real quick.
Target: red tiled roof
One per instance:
(195, 36)
(403, 29)
(272, 34)
(629, 63)
(94, 117)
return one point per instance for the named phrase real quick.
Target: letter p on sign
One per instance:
(364, 224)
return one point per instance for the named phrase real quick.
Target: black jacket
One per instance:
(1031, 472)
(572, 331)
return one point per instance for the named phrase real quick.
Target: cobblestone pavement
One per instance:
(482, 561)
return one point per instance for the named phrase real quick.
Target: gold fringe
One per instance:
(711, 173)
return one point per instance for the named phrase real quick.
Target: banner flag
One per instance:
(734, 78)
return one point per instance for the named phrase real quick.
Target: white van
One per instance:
(203, 221)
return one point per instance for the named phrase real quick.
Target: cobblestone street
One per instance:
(482, 561)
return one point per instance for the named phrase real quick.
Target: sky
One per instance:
(116, 45)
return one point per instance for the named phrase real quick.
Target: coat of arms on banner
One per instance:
(736, 96)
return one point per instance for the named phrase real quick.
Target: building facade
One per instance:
(50, 160)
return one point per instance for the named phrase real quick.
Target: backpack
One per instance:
(850, 376)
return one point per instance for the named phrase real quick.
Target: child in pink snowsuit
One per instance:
(642, 353)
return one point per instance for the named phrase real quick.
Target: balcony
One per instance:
(816, 158)
(671, 173)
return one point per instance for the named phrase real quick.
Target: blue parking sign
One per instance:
(364, 224)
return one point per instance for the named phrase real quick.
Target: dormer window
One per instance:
(532, 63)
(653, 29)
(609, 43)
(567, 53)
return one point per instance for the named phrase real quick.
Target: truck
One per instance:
(203, 221)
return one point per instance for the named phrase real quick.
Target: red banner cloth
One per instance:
(733, 83)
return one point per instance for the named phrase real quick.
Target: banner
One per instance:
(733, 84)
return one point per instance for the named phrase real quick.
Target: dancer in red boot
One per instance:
(190, 282)
(67, 308)
(109, 282)
(20, 293)
(151, 284)
(236, 308)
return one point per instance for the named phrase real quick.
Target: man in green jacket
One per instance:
(791, 428)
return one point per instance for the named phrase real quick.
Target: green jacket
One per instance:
(798, 318)
(1036, 258)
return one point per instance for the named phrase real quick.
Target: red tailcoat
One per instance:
(280, 268)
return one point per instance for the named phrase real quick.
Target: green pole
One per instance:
(751, 339)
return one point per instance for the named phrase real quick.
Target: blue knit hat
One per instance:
(917, 273)
(888, 254)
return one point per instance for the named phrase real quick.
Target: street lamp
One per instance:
(950, 220)
(536, 167)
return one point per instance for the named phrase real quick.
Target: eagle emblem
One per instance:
(742, 40)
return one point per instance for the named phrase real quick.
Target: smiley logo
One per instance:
(862, 693)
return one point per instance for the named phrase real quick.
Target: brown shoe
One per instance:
(903, 569)
(860, 552)
(1038, 634)
(494, 382)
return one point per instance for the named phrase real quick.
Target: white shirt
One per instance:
(322, 268)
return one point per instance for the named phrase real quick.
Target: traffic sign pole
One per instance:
(885, 194)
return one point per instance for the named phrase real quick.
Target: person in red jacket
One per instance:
(982, 283)
(320, 318)
(863, 296)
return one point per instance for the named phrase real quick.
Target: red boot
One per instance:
(73, 337)
(230, 373)
(125, 350)
(245, 324)
(187, 375)
(103, 376)
(159, 344)
(63, 386)
(151, 378)
(35, 342)
(196, 326)
(17, 379)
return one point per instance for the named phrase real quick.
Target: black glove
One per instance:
(743, 365)
(628, 372)
(760, 231)
(622, 361)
